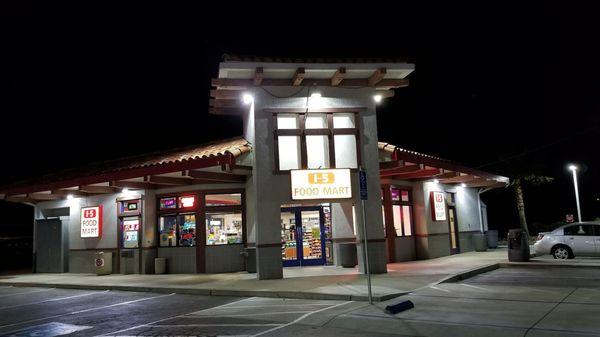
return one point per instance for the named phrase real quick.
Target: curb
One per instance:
(539, 264)
(469, 273)
(212, 292)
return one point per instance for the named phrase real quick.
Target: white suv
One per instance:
(568, 241)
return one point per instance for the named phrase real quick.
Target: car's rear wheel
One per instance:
(562, 252)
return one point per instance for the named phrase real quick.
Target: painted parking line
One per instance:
(54, 300)
(299, 319)
(279, 305)
(211, 325)
(114, 333)
(86, 310)
(28, 292)
(253, 314)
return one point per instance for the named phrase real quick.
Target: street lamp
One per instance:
(573, 169)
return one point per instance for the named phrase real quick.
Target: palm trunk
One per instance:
(521, 205)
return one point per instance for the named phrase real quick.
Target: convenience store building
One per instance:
(289, 187)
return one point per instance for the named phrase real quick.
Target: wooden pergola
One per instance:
(238, 75)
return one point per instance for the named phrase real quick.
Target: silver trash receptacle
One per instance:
(103, 263)
(160, 265)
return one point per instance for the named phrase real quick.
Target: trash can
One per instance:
(492, 238)
(103, 263)
(250, 258)
(479, 242)
(348, 258)
(518, 246)
(160, 265)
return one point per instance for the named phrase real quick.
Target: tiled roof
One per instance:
(252, 58)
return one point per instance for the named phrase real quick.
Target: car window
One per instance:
(583, 230)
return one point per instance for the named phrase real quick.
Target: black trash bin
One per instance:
(348, 256)
(518, 246)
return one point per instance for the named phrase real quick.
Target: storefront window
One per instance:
(167, 231)
(233, 199)
(401, 208)
(187, 230)
(316, 140)
(224, 228)
(131, 228)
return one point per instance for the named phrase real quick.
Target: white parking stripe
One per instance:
(85, 310)
(27, 292)
(279, 305)
(168, 318)
(299, 319)
(53, 300)
(440, 289)
(203, 325)
(255, 314)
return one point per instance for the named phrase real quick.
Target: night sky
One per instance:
(511, 90)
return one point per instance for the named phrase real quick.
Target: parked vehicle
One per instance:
(568, 241)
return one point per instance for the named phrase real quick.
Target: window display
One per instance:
(232, 199)
(131, 228)
(224, 228)
(167, 231)
(187, 230)
(168, 203)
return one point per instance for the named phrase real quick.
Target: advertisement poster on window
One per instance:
(438, 206)
(91, 222)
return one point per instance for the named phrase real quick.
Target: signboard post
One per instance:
(91, 222)
(362, 175)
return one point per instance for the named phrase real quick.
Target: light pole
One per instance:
(573, 169)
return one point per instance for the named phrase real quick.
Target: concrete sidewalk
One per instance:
(326, 282)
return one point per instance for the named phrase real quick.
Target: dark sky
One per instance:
(514, 89)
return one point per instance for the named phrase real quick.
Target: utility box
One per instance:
(518, 246)
(160, 265)
(103, 263)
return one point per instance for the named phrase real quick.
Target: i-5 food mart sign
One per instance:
(321, 184)
(91, 222)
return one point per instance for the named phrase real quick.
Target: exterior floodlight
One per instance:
(125, 190)
(435, 181)
(69, 196)
(377, 98)
(247, 98)
(572, 167)
(463, 185)
(315, 95)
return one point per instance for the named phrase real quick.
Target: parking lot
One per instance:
(54, 312)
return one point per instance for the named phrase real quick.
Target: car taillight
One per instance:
(540, 236)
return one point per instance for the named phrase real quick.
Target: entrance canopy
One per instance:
(210, 163)
(400, 164)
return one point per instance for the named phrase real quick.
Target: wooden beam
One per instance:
(337, 78)
(225, 103)
(12, 198)
(377, 76)
(298, 77)
(99, 189)
(258, 76)
(385, 93)
(75, 193)
(228, 111)
(399, 170)
(44, 196)
(161, 180)
(384, 165)
(425, 173)
(133, 184)
(236, 84)
(460, 179)
(226, 94)
(215, 176)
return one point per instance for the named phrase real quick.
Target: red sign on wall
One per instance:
(438, 206)
(91, 222)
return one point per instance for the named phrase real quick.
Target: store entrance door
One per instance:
(303, 236)
(453, 229)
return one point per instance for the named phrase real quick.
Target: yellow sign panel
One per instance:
(321, 184)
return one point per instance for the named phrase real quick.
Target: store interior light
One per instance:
(377, 98)
(247, 98)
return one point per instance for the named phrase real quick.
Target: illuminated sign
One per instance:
(91, 222)
(321, 184)
(186, 202)
(168, 203)
(438, 206)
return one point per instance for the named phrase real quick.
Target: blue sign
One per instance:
(46, 330)
(362, 175)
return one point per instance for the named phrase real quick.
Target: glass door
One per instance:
(303, 236)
